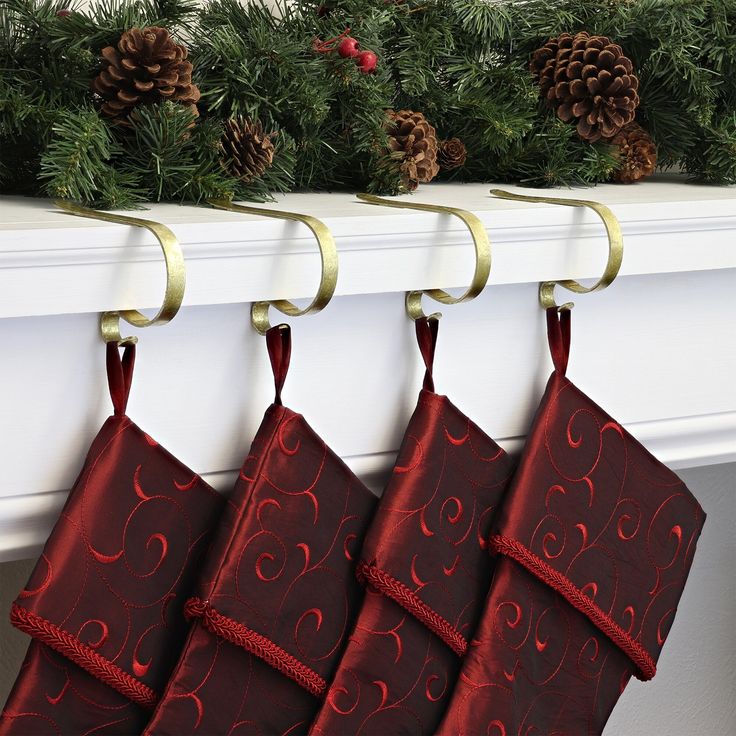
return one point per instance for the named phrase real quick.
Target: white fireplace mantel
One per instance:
(657, 349)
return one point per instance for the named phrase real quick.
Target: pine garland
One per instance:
(464, 64)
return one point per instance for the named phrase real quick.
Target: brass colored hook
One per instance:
(482, 254)
(328, 254)
(615, 247)
(175, 274)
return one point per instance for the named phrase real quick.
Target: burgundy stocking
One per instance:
(594, 544)
(104, 602)
(427, 570)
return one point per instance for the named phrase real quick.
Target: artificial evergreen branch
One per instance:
(82, 144)
(464, 64)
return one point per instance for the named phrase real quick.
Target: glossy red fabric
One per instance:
(278, 593)
(104, 602)
(594, 542)
(427, 568)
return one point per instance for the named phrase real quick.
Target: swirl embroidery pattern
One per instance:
(104, 602)
(427, 568)
(596, 540)
(278, 591)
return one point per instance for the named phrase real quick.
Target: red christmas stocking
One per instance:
(279, 593)
(427, 571)
(104, 602)
(594, 543)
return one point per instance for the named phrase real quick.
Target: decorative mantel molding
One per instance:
(657, 349)
(25, 520)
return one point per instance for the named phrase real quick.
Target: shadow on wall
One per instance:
(13, 644)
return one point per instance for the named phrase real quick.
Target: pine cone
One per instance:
(637, 154)
(592, 83)
(248, 152)
(410, 133)
(452, 154)
(148, 66)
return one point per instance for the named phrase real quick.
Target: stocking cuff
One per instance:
(83, 655)
(256, 644)
(646, 668)
(394, 589)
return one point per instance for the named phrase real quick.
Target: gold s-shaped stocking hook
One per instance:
(482, 254)
(615, 247)
(328, 254)
(175, 274)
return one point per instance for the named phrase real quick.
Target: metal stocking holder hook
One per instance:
(615, 247)
(175, 274)
(328, 254)
(482, 254)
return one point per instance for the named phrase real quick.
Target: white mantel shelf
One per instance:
(657, 349)
(670, 226)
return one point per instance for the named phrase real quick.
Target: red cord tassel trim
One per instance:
(399, 593)
(87, 658)
(258, 645)
(570, 592)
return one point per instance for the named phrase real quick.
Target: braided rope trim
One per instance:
(570, 592)
(258, 645)
(83, 655)
(399, 593)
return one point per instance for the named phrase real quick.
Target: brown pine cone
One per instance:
(593, 84)
(247, 151)
(148, 66)
(637, 154)
(411, 134)
(452, 154)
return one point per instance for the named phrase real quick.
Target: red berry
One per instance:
(348, 47)
(63, 13)
(366, 61)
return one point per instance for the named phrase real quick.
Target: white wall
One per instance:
(693, 690)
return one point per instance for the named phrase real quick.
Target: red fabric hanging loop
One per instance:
(120, 375)
(278, 341)
(558, 334)
(426, 330)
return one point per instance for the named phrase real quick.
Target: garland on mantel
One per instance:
(147, 100)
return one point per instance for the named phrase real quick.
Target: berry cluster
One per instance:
(349, 48)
